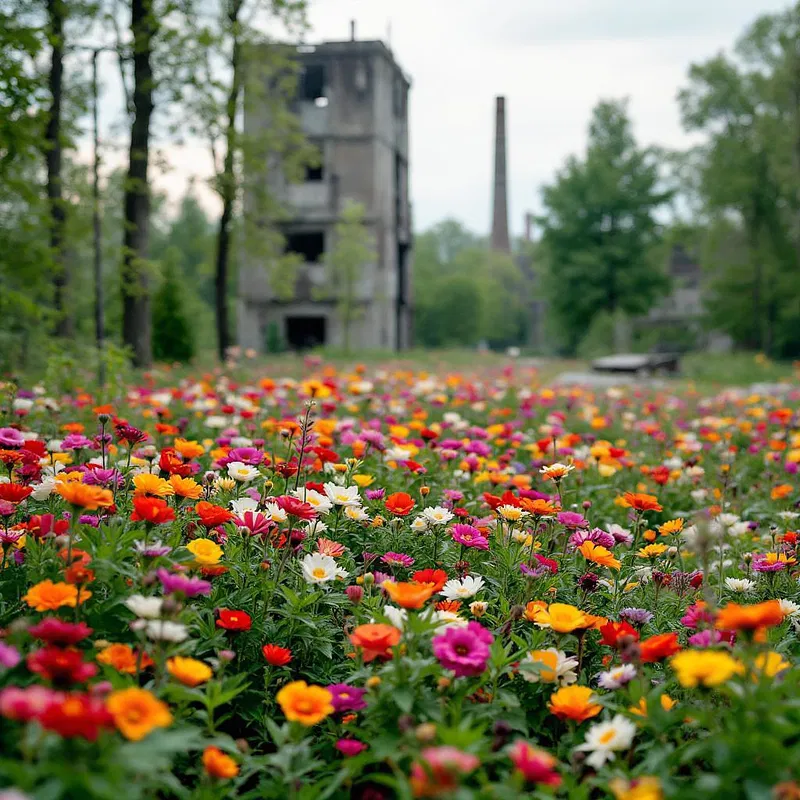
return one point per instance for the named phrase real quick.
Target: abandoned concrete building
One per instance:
(352, 103)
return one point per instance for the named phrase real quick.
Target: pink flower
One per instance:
(595, 535)
(9, 656)
(695, 616)
(255, 523)
(571, 519)
(469, 536)
(28, 703)
(347, 698)
(350, 747)
(465, 651)
(535, 765)
(439, 773)
(397, 560)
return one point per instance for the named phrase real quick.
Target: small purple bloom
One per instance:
(571, 519)
(533, 572)
(11, 437)
(9, 656)
(636, 616)
(153, 550)
(375, 494)
(183, 584)
(397, 560)
(347, 698)
(596, 535)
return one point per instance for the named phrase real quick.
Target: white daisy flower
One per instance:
(345, 496)
(617, 677)
(419, 525)
(789, 608)
(740, 585)
(145, 607)
(463, 589)
(318, 568)
(275, 512)
(356, 513)
(162, 630)
(319, 502)
(241, 472)
(603, 739)
(436, 515)
(554, 666)
(243, 505)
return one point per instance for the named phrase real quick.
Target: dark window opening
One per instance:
(303, 333)
(311, 246)
(314, 173)
(312, 85)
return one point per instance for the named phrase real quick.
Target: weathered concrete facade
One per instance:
(353, 105)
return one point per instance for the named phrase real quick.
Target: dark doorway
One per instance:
(303, 333)
(310, 245)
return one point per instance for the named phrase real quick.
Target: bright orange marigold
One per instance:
(747, 618)
(641, 502)
(137, 712)
(48, 596)
(408, 595)
(87, 497)
(219, 765)
(574, 702)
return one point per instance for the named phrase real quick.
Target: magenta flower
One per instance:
(347, 698)
(76, 441)
(397, 560)
(374, 494)
(183, 584)
(595, 535)
(469, 536)
(255, 523)
(465, 651)
(710, 637)
(247, 455)
(760, 564)
(696, 616)
(350, 747)
(11, 437)
(572, 520)
(9, 656)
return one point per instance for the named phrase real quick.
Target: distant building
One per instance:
(352, 102)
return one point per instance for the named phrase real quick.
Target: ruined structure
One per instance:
(352, 102)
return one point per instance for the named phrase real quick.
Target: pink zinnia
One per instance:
(571, 519)
(465, 651)
(695, 616)
(350, 747)
(535, 765)
(595, 535)
(397, 560)
(469, 536)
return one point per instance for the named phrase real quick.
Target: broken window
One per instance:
(315, 172)
(312, 86)
(303, 333)
(310, 245)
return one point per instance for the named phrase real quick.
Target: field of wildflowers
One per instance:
(380, 583)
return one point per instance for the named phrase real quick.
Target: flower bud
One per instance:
(369, 579)
(478, 608)
(443, 683)
(226, 656)
(373, 682)
(355, 594)
(426, 732)
(424, 490)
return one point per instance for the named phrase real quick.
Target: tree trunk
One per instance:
(56, 13)
(227, 189)
(136, 322)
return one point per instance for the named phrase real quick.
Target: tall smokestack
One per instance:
(500, 239)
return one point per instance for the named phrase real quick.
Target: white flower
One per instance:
(604, 738)
(462, 589)
(699, 495)
(740, 585)
(448, 619)
(557, 468)
(346, 496)
(244, 473)
(396, 616)
(319, 502)
(315, 526)
(243, 505)
(728, 519)
(241, 441)
(162, 630)
(617, 677)
(437, 515)
(216, 422)
(397, 454)
(275, 512)
(22, 404)
(53, 446)
(356, 513)
(318, 568)
(419, 525)
(43, 490)
(554, 666)
(739, 529)
(145, 607)
(788, 515)
(789, 608)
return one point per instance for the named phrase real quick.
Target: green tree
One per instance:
(353, 250)
(599, 228)
(173, 339)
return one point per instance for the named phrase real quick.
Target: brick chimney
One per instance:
(500, 239)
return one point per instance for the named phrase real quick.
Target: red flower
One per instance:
(55, 631)
(324, 455)
(77, 715)
(612, 632)
(437, 577)
(276, 656)
(38, 526)
(317, 487)
(78, 574)
(399, 504)
(494, 502)
(287, 469)
(153, 510)
(659, 647)
(170, 461)
(234, 620)
(211, 515)
(14, 492)
(61, 667)
(547, 562)
(213, 571)
(296, 508)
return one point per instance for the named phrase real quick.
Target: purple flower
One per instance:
(11, 437)
(760, 564)
(595, 535)
(375, 438)
(350, 747)
(9, 657)
(75, 441)
(153, 550)
(621, 536)
(636, 616)
(89, 519)
(347, 698)
(375, 494)
(571, 519)
(465, 651)
(478, 448)
(469, 536)
(183, 584)
(103, 477)
(710, 637)
(380, 577)
(397, 560)
(247, 455)
(453, 495)
(533, 572)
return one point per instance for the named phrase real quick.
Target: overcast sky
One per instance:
(552, 59)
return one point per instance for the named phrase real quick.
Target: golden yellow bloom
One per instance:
(704, 667)
(48, 596)
(205, 552)
(770, 664)
(645, 788)
(363, 481)
(599, 555)
(188, 449)
(671, 527)
(136, 712)
(305, 704)
(189, 671)
(186, 487)
(510, 513)
(89, 498)
(640, 709)
(562, 618)
(145, 483)
(225, 484)
(574, 702)
(652, 551)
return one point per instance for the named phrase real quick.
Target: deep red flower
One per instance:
(276, 656)
(612, 632)
(399, 504)
(62, 667)
(152, 509)
(438, 577)
(78, 574)
(80, 715)
(494, 502)
(659, 647)
(14, 492)
(213, 570)
(211, 515)
(287, 469)
(234, 620)
(56, 631)
(547, 562)
(170, 461)
(317, 487)
(296, 508)
(325, 455)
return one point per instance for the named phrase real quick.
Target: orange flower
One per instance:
(747, 618)
(563, 618)
(641, 502)
(189, 671)
(211, 515)
(48, 596)
(640, 709)
(781, 492)
(151, 509)
(659, 647)
(538, 508)
(188, 449)
(574, 702)
(400, 504)
(533, 608)
(88, 497)
(671, 527)
(305, 704)
(435, 577)
(123, 658)
(218, 765)
(599, 554)
(147, 484)
(375, 640)
(408, 595)
(186, 487)
(454, 606)
(330, 548)
(136, 712)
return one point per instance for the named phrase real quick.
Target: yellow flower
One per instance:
(363, 480)
(645, 788)
(671, 527)
(189, 671)
(652, 551)
(704, 667)
(510, 513)
(186, 487)
(136, 712)
(145, 483)
(562, 618)
(305, 704)
(770, 664)
(205, 552)
(640, 709)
